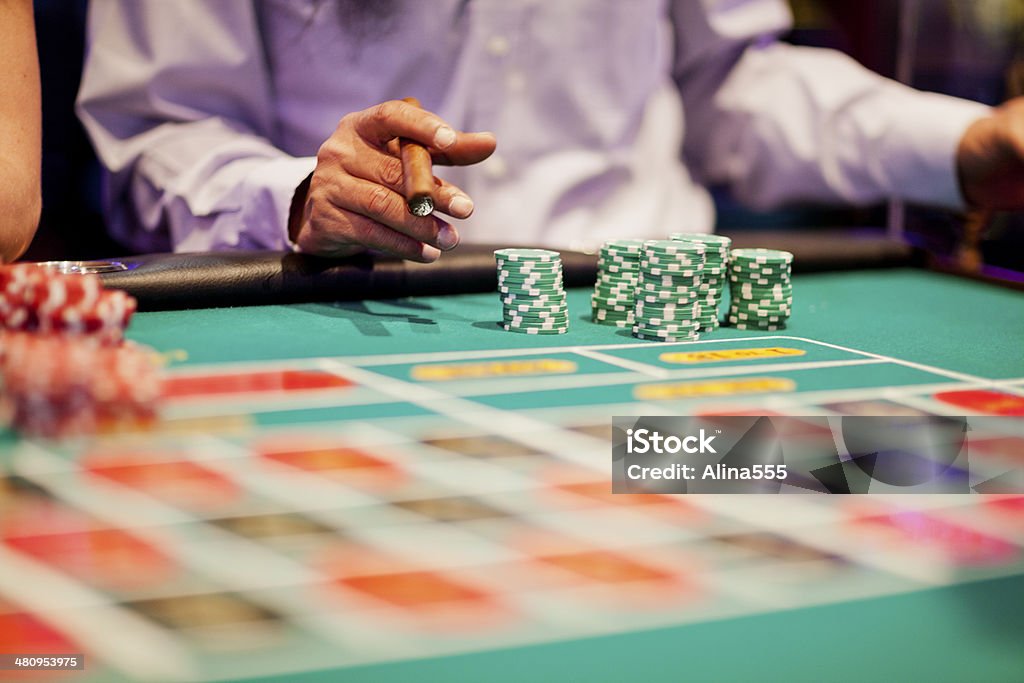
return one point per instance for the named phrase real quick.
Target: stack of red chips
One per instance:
(65, 368)
(36, 299)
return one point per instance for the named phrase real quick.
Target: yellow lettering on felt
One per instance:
(172, 356)
(508, 368)
(729, 354)
(680, 390)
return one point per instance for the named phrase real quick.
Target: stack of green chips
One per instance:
(618, 274)
(713, 277)
(668, 293)
(761, 288)
(532, 291)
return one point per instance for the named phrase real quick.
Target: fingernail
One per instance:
(447, 238)
(461, 206)
(430, 253)
(444, 137)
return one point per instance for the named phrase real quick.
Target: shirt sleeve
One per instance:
(177, 100)
(780, 123)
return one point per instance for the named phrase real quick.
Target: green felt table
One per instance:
(972, 632)
(858, 331)
(947, 322)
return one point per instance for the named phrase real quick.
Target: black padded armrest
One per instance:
(249, 278)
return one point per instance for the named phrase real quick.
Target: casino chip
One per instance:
(668, 296)
(65, 368)
(618, 275)
(713, 277)
(532, 292)
(761, 289)
(36, 299)
(59, 385)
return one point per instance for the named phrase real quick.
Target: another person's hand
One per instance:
(354, 198)
(990, 159)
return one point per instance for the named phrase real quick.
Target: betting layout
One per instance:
(460, 501)
(66, 369)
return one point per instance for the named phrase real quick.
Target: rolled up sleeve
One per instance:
(176, 98)
(783, 124)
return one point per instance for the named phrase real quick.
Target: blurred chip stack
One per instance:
(761, 289)
(668, 293)
(713, 277)
(57, 385)
(532, 292)
(65, 368)
(618, 275)
(36, 299)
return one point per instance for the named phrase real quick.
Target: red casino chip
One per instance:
(54, 293)
(105, 318)
(57, 385)
(35, 299)
(63, 365)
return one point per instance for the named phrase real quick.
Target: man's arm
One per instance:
(175, 96)
(20, 137)
(178, 101)
(783, 124)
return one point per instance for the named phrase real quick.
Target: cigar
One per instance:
(418, 171)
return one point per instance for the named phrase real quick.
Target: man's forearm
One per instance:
(791, 124)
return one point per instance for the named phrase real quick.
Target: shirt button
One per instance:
(498, 46)
(496, 167)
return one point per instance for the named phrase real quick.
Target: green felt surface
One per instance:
(971, 632)
(923, 317)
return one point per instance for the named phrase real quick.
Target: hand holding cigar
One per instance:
(418, 171)
(374, 187)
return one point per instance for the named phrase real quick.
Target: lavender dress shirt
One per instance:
(611, 115)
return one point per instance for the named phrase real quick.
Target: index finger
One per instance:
(396, 119)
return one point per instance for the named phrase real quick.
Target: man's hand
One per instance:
(354, 200)
(990, 159)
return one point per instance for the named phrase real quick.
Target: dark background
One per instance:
(954, 51)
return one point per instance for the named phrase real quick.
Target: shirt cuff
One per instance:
(269, 189)
(923, 141)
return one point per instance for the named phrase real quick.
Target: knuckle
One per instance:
(380, 201)
(347, 121)
(321, 220)
(320, 216)
(322, 154)
(383, 111)
(316, 185)
(327, 152)
(390, 171)
(336, 150)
